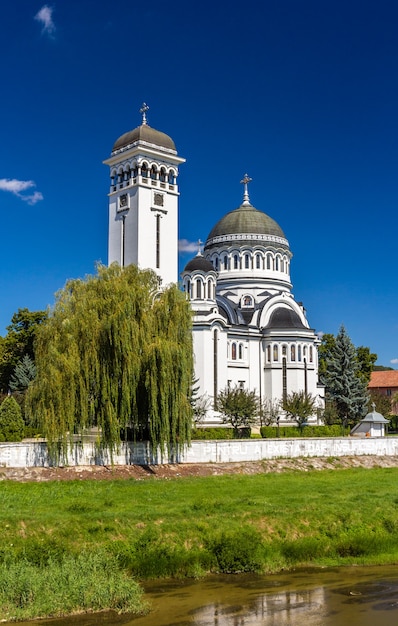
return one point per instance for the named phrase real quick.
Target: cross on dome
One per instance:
(200, 242)
(245, 181)
(143, 111)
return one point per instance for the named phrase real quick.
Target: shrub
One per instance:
(239, 551)
(308, 431)
(305, 549)
(212, 433)
(90, 581)
(11, 422)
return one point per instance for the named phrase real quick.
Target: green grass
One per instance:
(188, 527)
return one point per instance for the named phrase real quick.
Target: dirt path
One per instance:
(138, 472)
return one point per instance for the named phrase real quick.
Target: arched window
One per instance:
(216, 263)
(162, 175)
(233, 351)
(247, 261)
(293, 352)
(188, 288)
(135, 170)
(269, 354)
(236, 262)
(247, 301)
(225, 262)
(284, 350)
(299, 352)
(282, 265)
(269, 261)
(209, 290)
(305, 351)
(276, 352)
(240, 351)
(277, 264)
(198, 289)
(311, 354)
(144, 170)
(154, 172)
(171, 177)
(258, 262)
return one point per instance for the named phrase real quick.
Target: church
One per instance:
(248, 330)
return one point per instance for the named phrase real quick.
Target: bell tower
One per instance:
(143, 201)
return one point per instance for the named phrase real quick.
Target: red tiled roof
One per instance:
(387, 378)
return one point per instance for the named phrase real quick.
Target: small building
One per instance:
(385, 382)
(372, 425)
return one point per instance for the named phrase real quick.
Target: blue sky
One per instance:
(302, 95)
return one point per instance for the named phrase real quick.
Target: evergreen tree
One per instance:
(116, 354)
(344, 387)
(365, 358)
(18, 342)
(11, 423)
(24, 374)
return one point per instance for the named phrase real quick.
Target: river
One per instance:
(355, 596)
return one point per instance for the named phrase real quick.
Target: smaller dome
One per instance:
(375, 417)
(147, 134)
(284, 318)
(199, 263)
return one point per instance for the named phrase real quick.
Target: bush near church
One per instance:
(289, 432)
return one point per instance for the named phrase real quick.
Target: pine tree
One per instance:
(116, 354)
(344, 387)
(24, 374)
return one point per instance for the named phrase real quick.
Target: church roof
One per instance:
(244, 220)
(199, 263)
(285, 318)
(146, 134)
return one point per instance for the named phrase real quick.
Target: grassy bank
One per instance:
(70, 546)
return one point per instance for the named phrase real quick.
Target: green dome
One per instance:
(147, 134)
(246, 220)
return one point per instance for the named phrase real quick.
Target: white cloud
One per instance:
(17, 187)
(45, 17)
(394, 361)
(187, 246)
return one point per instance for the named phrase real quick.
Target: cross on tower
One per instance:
(143, 111)
(245, 181)
(199, 247)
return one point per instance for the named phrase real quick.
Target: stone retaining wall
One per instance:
(34, 454)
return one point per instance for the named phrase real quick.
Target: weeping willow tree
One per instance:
(115, 354)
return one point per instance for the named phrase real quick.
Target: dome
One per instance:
(246, 220)
(147, 134)
(199, 263)
(284, 318)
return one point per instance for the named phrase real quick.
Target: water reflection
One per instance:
(338, 597)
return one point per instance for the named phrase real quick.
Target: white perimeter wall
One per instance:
(34, 454)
